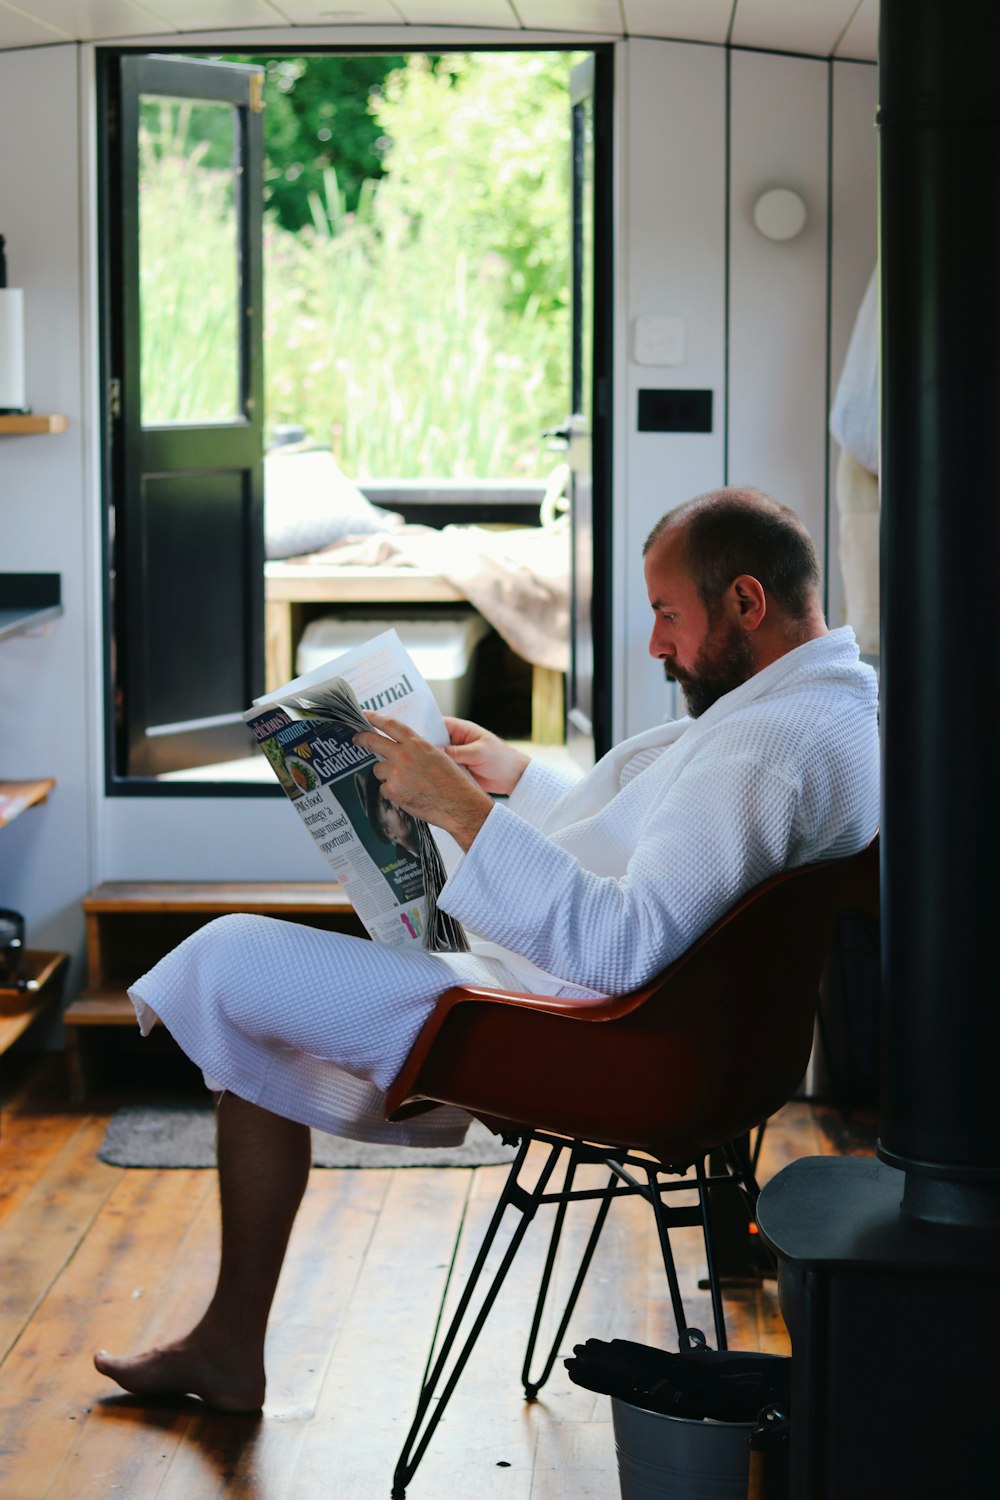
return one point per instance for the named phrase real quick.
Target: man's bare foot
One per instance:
(183, 1369)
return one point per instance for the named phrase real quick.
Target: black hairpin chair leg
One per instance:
(533, 1386)
(620, 1184)
(427, 1418)
(445, 1367)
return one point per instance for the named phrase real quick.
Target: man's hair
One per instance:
(741, 530)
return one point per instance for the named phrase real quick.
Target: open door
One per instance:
(185, 357)
(587, 430)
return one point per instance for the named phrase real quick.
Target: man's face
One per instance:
(706, 651)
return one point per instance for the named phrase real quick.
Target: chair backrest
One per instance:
(744, 996)
(712, 1046)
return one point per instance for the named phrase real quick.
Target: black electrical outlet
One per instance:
(675, 411)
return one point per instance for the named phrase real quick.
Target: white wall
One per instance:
(673, 259)
(674, 186)
(47, 696)
(777, 324)
(767, 323)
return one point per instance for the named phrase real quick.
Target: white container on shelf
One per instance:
(13, 393)
(442, 647)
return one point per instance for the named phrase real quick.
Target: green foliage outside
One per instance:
(419, 322)
(189, 366)
(491, 138)
(319, 115)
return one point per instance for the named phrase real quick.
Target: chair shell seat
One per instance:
(706, 1051)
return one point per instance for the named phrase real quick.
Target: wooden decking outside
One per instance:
(95, 1255)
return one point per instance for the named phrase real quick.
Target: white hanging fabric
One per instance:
(854, 424)
(854, 415)
(858, 507)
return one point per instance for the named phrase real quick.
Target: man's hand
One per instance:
(494, 764)
(420, 778)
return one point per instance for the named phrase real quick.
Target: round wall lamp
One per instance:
(779, 214)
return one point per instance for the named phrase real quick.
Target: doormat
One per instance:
(183, 1135)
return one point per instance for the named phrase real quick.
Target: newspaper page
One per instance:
(386, 860)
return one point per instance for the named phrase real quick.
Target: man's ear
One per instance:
(749, 601)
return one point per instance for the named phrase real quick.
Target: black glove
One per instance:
(727, 1385)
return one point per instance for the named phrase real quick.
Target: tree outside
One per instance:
(319, 116)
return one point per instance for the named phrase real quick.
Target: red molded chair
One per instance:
(649, 1084)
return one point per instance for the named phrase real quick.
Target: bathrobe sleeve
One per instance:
(539, 789)
(720, 828)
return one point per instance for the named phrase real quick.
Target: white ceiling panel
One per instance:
(604, 16)
(338, 12)
(216, 15)
(812, 26)
(19, 30)
(87, 20)
(846, 28)
(860, 40)
(495, 13)
(686, 20)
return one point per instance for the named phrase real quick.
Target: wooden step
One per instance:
(97, 1008)
(132, 924)
(215, 898)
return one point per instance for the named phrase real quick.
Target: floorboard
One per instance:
(95, 1255)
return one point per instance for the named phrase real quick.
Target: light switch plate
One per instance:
(658, 340)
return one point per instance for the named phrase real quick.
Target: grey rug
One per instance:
(183, 1135)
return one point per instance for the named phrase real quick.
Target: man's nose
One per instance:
(660, 647)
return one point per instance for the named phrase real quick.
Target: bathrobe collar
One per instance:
(826, 656)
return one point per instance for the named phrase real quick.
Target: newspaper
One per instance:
(386, 860)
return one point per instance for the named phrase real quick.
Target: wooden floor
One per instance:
(96, 1255)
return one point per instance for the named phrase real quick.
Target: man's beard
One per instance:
(723, 663)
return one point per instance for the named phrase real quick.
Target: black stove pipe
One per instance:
(939, 254)
(888, 1270)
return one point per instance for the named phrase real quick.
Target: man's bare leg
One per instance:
(263, 1169)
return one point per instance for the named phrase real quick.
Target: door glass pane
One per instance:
(188, 262)
(583, 251)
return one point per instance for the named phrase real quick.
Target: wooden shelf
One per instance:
(17, 796)
(44, 972)
(18, 1008)
(32, 422)
(28, 602)
(39, 970)
(11, 1027)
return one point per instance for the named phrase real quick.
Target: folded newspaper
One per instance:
(386, 860)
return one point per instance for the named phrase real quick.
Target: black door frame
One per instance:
(111, 353)
(603, 399)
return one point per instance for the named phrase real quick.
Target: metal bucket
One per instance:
(678, 1458)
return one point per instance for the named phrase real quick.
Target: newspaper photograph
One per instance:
(386, 860)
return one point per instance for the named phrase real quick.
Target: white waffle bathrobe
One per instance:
(582, 889)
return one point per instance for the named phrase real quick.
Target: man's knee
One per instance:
(226, 964)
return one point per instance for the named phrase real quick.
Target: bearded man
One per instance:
(585, 889)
